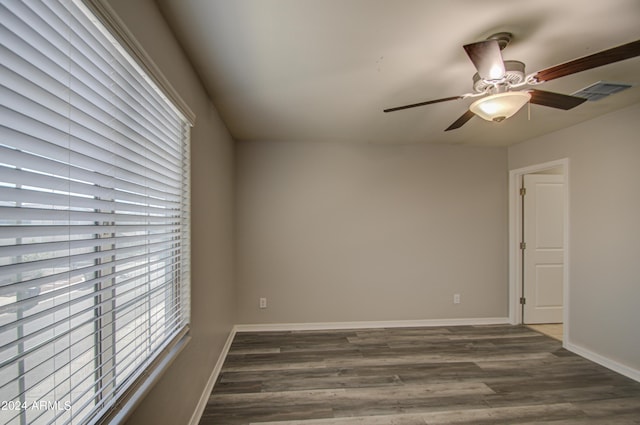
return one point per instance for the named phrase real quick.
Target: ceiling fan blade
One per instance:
(555, 100)
(461, 121)
(428, 102)
(605, 57)
(487, 59)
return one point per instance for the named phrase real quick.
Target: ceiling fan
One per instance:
(497, 81)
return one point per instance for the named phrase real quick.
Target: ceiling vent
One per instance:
(601, 89)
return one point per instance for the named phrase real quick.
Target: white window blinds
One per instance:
(94, 217)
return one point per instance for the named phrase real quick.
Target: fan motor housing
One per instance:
(514, 74)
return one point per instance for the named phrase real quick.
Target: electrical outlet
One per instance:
(456, 298)
(263, 303)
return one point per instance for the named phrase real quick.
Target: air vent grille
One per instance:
(601, 89)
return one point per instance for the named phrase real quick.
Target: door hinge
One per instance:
(523, 300)
(523, 245)
(523, 191)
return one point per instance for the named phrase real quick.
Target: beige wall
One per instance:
(604, 266)
(174, 398)
(333, 233)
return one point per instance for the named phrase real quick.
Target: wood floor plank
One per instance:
(401, 419)
(464, 375)
(481, 416)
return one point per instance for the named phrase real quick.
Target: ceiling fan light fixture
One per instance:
(498, 107)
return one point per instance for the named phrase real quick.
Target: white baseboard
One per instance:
(202, 403)
(627, 371)
(370, 324)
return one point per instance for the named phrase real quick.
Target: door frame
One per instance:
(515, 232)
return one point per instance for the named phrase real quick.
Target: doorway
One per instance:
(538, 271)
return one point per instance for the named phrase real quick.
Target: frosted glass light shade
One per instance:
(501, 106)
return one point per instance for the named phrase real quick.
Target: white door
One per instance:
(543, 231)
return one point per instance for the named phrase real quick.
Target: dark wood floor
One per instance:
(444, 375)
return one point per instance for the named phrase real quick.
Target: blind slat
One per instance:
(119, 199)
(51, 158)
(14, 215)
(25, 231)
(71, 278)
(73, 261)
(95, 244)
(54, 193)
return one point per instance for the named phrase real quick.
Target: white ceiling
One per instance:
(323, 70)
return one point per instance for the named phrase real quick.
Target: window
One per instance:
(94, 217)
